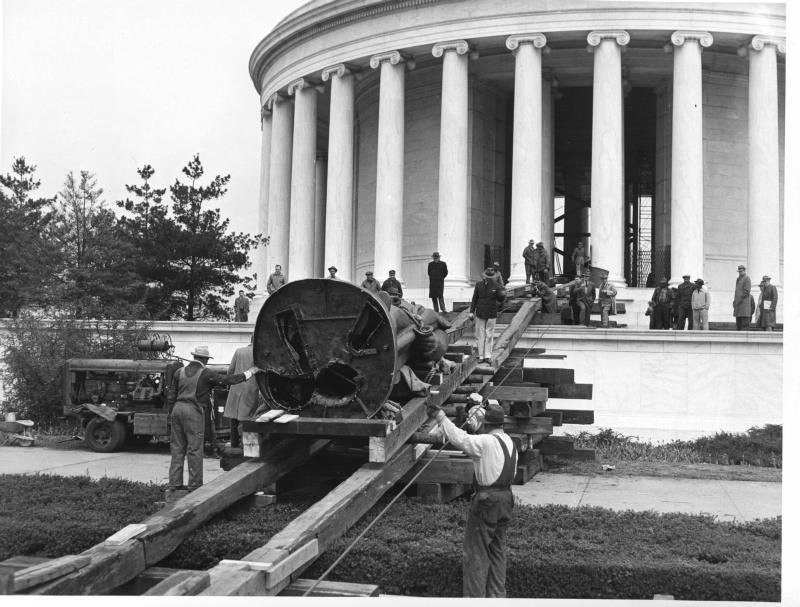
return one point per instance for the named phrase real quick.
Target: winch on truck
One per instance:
(124, 401)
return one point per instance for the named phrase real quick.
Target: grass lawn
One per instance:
(554, 551)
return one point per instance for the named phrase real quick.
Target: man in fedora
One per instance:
(241, 307)
(332, 273)
(370, 284)
(767, 303)
(701, 302)
(187, 397)
(742, 309)
(494, 457)
(529, 256)
(685, 291)
(437, 272)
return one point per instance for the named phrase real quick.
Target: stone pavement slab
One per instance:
(727, 500)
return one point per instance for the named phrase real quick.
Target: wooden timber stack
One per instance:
(128, 560)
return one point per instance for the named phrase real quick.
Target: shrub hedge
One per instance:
(554, 551)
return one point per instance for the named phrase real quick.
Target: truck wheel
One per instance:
(105, 436)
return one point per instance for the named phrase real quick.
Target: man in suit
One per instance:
(241, 308)
(741, 300)
(437, 271)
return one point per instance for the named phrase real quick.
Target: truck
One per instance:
(123, 402)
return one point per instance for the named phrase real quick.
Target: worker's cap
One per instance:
(494, 414)
(741, 267)
(663, 282)
(474, 399)
(435, 254)
(765, 278)
(392, 272)
(201, 351)
(369, 273)
(699, 282)
(531, 241)
(686, 276)
(333, 268)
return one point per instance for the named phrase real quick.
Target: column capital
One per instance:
(273, 99)
(339, 70)
(461, 47)
(759, 42)
(391, 57)
(299, 84)
(537, 39)
(679, 38)
(597, 36)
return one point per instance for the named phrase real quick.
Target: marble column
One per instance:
(389, 177)
(321, 170)
(304, 156)
(686, 201)
(608, 157)
(763, 209)
(339, 195)
(262, 253)
(453, 215)
(526, 169)
(280, 180)
(548, 168)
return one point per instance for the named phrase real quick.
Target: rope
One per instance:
(410, 482)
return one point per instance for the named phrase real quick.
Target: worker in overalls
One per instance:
(495, 459)
(187, 397)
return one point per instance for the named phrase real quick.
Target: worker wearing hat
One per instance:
(701, 302)
(529, 256)
(767, 303)
(392, 282)
(661, 303)
(741, 300)
(332, 273)
(494, 458)
(437, 272)
(685, 290)
(541, 263)
(483, 309)
(187, 397)
(370, 284)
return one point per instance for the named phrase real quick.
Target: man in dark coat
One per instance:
(485, 299)
(241, 308)
(541, 263)
(741, 301)
(392, 282)
(767, 304)
(661, 303)
(437, 271)
(528, 254)
(685, 290)
(582, 294)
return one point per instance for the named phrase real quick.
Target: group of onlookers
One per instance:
(688, 304)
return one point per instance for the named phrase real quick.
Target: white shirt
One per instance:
(483, 449)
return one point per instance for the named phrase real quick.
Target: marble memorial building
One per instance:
(652, 131)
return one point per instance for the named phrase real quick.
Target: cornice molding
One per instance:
(537, 39)
(680, 37)
(621, 37)
(461, 47)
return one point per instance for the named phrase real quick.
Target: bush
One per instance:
(36, 351)
(759, 446)
(554, 551)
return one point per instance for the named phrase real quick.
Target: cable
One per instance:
(409, 483)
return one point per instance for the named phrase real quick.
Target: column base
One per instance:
(618, 280)
(457, 283)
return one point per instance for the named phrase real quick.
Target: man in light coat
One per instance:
(701, 301)
(276, 280)
(242, 398)
(370, 284)
(606, 294)
(767, 304)
(741, 301)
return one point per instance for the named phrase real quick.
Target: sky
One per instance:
(110, 85)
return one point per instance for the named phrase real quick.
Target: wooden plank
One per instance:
(18, 562)
(444, 470)
(112, 566)
(325, 521)
(516, 393)
(319, 426)
(556, 445)
(548, 376)
(509, 338)
(281, 564)
(6, 579)
(330, 589)
(532, 425)
(555, 416)
(181, 583)
(36, 575)
(582, 391)
(415, 413)
(573, 416)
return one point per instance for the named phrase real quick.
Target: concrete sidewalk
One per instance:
(727, 500)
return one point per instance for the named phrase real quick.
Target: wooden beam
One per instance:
(509, 338)
(548, 376)
(324, 522)
(112, 566)
(321, 426)
(555, 416)
(573, 416)
(516, 393)
(444, 470)
(531, 425)
(577, 391)
(330, 589)
(181, 583)
(36, 575)
(556, 445)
